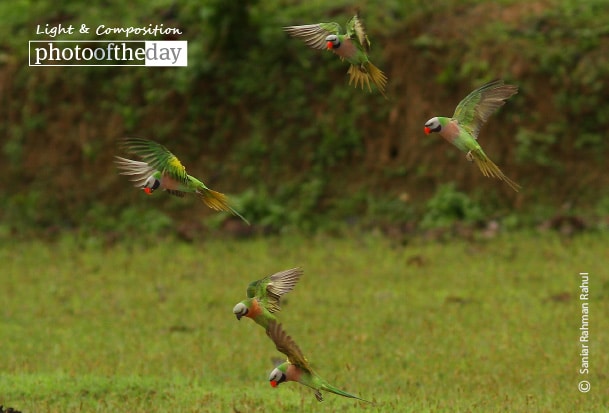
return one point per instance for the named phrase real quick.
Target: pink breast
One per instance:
(169, 183)
(346, 49)
(450, 131)
(293, 373)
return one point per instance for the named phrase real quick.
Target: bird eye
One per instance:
(148, 182)
(432, 123)
(275, 375)
(152, 183)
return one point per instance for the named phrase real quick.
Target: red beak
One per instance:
(330, 46)
(427, 130)
(148, 191)
(273, 383)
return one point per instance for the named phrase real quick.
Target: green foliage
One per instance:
(13, 148)
(448, 206)
(129, 220)
(602, 207)
(396, 209)
(257, 109)
(291, 206)
(22, 210)
(260, 207)
(296, 206)
(535, 146)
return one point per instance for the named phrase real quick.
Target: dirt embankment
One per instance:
(59, 140)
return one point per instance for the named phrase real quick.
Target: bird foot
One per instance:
(318, 396)
(469, 156)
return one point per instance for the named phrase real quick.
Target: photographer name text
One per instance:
(584, 331)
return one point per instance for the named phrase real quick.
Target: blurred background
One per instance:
(274, 124)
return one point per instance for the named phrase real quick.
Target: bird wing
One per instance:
(252, 289)
(158, 157)
(281, 283)
(287, 346)
(314, 35)
(138, 171)
(355, 28)
(270, 289)
(473, 111)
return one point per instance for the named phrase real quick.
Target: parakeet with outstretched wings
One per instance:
(297, 367)
(462, 129)
(263, 296)
(352, 46)
(160, 169)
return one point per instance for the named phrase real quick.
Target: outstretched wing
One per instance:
(270, 289)
(287, 346)
(281, 283)
(139, 172)
(473, 111)
(355, 28)
(157, 156)
(314, 35)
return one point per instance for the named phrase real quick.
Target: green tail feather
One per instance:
(361, 75)
(332, 389)
(378, 78)
(218, 202)
(489, 169)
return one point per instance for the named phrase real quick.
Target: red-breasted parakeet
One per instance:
(160, 169)
(462, 129)
(297, 368)
(352, 46)
(263, 296)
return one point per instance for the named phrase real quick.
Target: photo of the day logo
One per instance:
(166, 53)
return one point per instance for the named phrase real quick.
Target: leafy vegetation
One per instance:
(259, 114)
(449, 206)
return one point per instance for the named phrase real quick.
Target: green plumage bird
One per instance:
(471, 113)
(263, 296)
(352, 46)
(160, 169)
(297, 367)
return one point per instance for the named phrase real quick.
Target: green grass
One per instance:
(462, 326)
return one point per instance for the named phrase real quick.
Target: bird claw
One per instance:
(469, 156)
(318, 396)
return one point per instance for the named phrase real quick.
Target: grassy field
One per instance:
(460, 326)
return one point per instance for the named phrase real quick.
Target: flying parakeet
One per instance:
(162, 169)
(462, 129)
(263, 296)
(352, 47)
(297, 367)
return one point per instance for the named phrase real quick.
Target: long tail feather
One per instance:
(489, 169)
(340, 392)
(218, 202)
(361, 75)
(378, 78)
